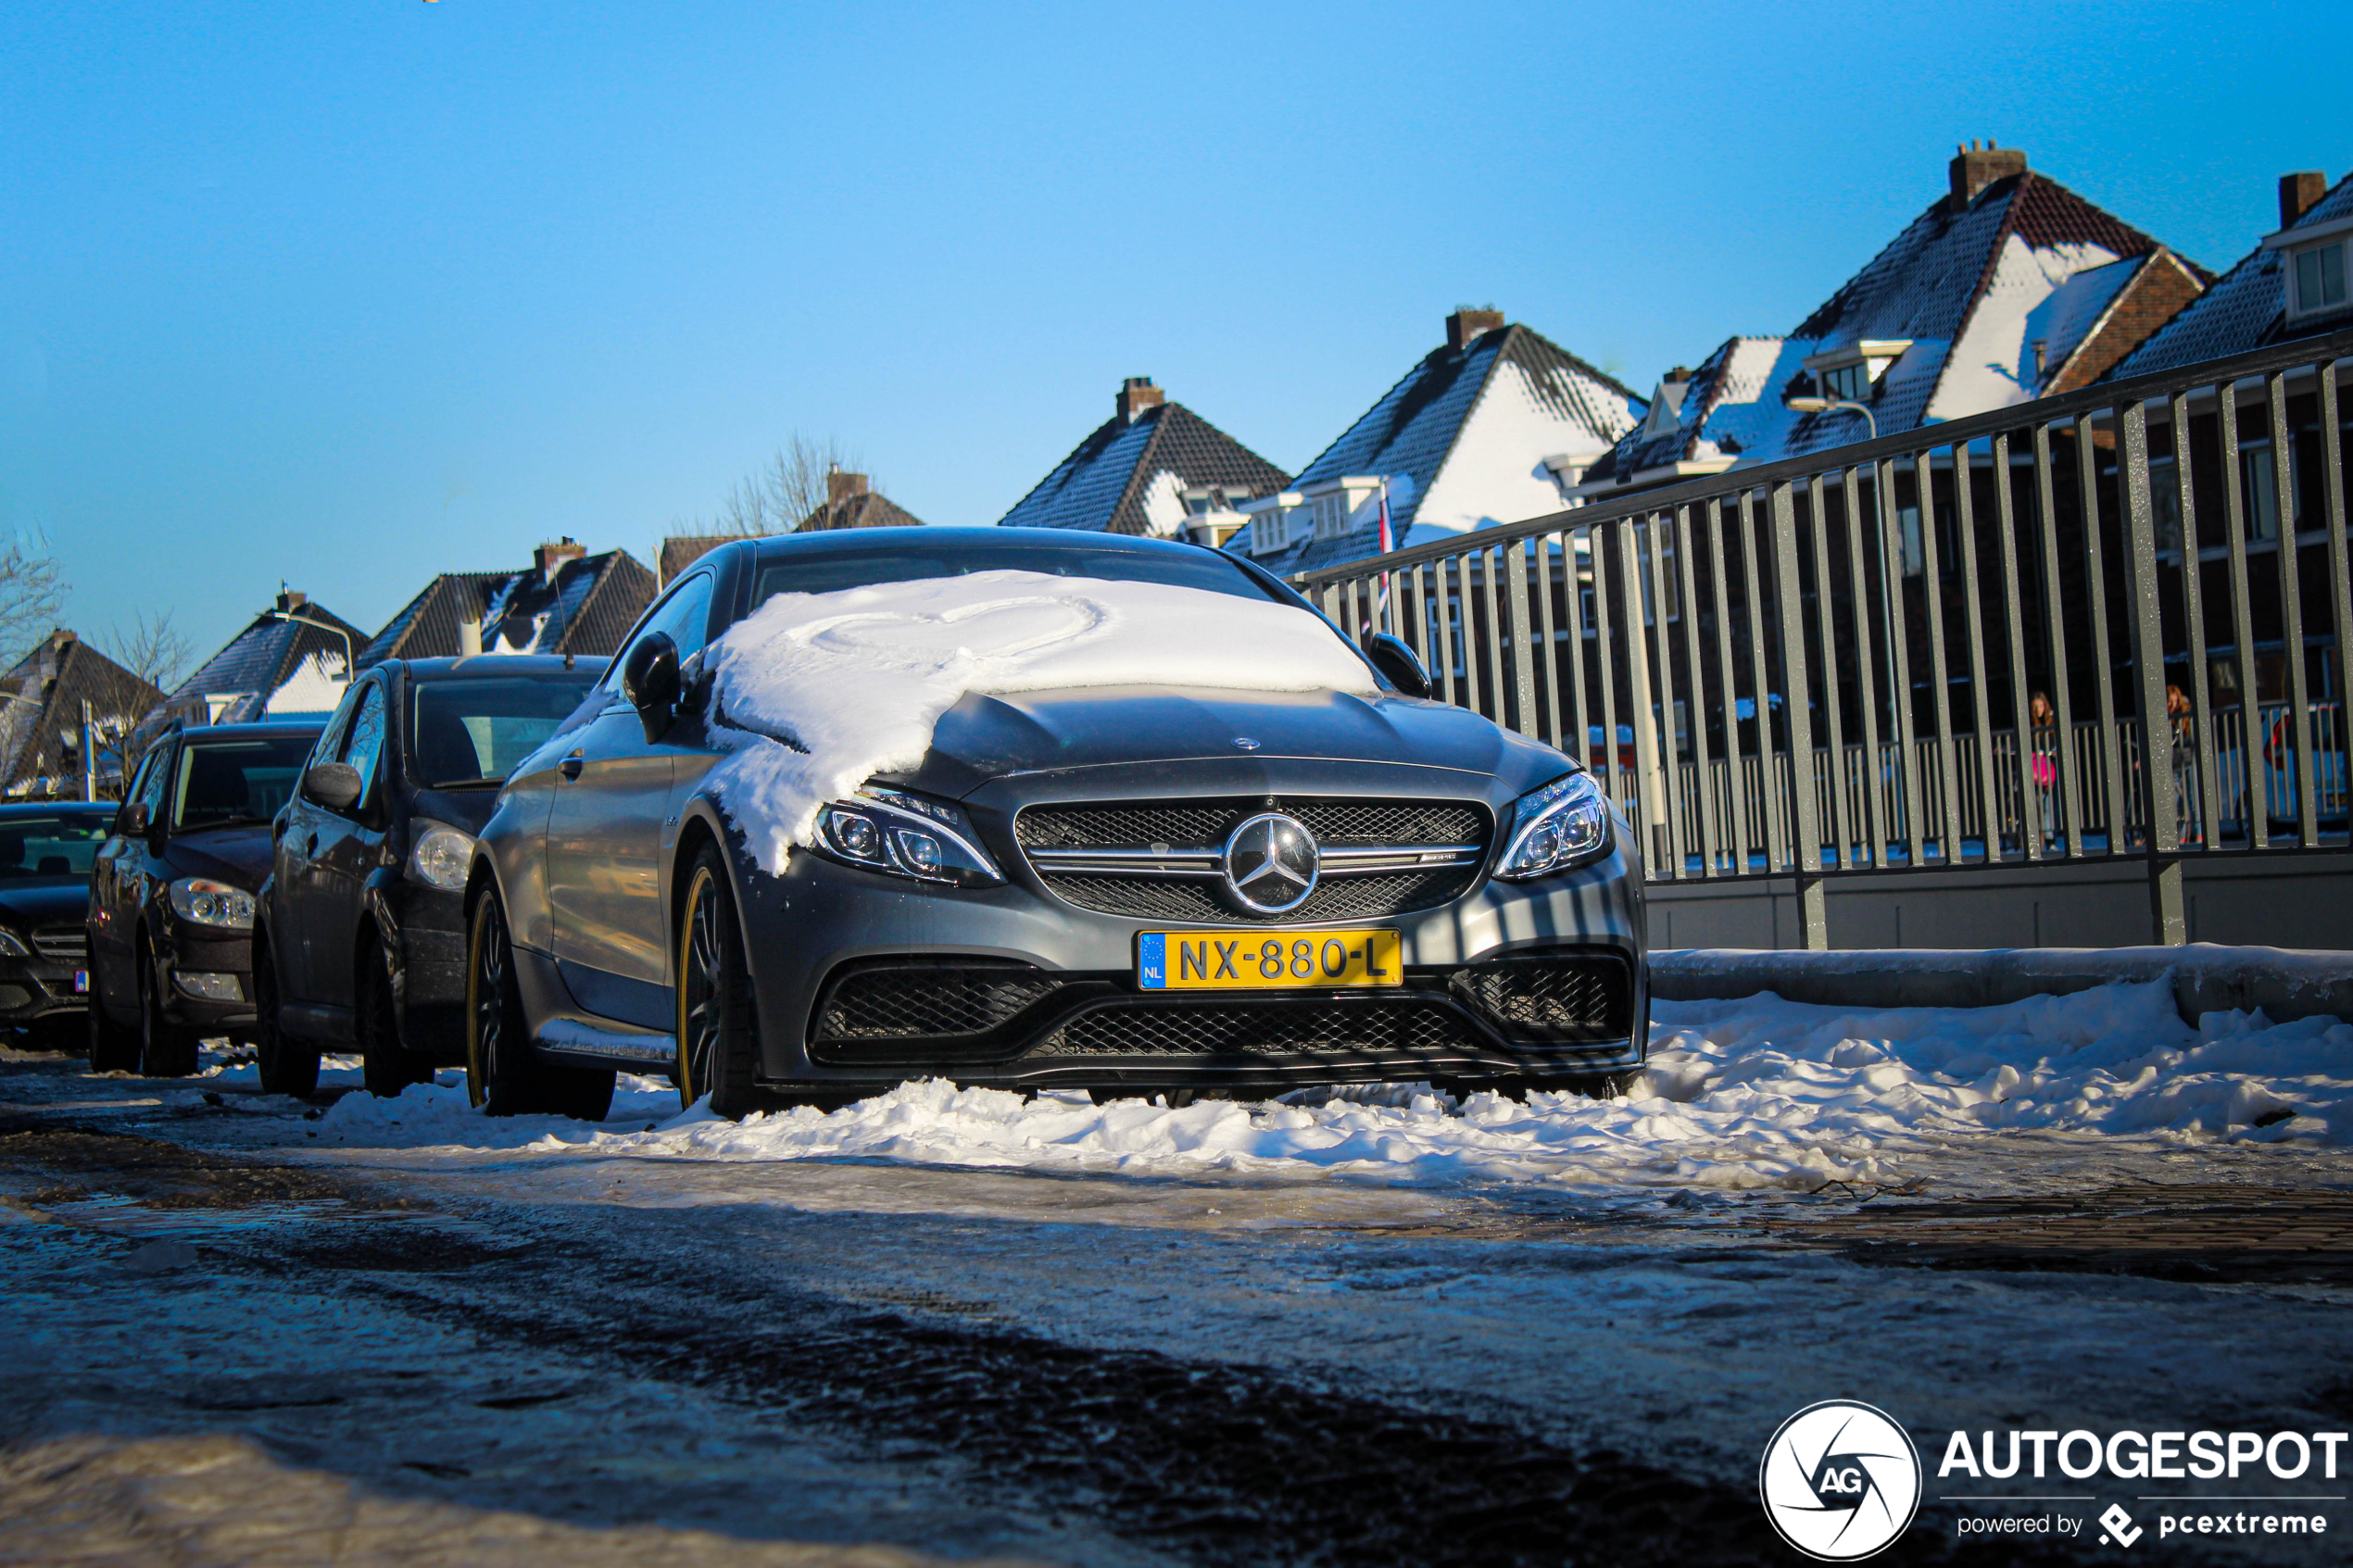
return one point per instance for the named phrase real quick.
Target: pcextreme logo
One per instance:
(1840, 1480)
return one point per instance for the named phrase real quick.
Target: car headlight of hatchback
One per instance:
(889, 829)
(12, 946)
(1558, 827)
(441, 855)
(201, 901)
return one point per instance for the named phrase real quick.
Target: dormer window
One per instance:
(2314, 266)
(1851, 374)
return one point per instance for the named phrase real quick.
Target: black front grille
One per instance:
(917, 1002)
(1551, 996)
(1205, 825)
(1399, 1028)
(62, 944)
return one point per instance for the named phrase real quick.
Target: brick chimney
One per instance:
(289, 600)
(1974, 168)
(2298, 192)
(1466, 324)
(1136, 395)
(841, 484)
(550, 558)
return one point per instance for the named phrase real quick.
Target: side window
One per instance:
(684, 614)
(137, 787)
(159, 775)
(365, 748)
(330, 739)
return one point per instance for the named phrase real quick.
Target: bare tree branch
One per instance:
(153, 649)
(31, 598)
(780, 495)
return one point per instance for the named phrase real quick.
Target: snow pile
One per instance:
(1760, 1093)
(438, 1115)
(829, 689)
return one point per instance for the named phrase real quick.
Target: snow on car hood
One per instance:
(817, 693)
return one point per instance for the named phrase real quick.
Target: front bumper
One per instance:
(208, 978)
(35, 988)
(1072, 1015)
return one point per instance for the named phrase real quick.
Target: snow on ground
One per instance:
(857, 677)
(1758, 1092)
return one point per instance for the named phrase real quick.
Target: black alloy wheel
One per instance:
(288, 1065)
(114, 1048)
(165, 1049)
(387, 1066)
(718, 1022)
(504, 1075)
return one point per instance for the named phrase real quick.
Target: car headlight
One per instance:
(12, 946)
(1555, 827)
(891, 831)
(441, 855)
(203, 902)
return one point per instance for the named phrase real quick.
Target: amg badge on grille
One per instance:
(1271, 863)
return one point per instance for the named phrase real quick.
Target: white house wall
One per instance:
(1495, 472)
(1981, 371)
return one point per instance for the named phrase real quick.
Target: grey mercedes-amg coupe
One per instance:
(1122, 889)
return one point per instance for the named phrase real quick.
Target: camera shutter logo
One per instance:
(1840, 1480)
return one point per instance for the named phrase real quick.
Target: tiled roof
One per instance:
(2246, 308)
(682, 550)
(1414, 428)
(1106, 482)
(864, 509)
(46, 689)
(261, 658)
(587, 609)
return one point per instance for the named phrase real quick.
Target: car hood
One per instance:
(988, 737)
(238, 856)
(46, 903)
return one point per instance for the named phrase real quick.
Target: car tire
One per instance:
(387, 1066)
(113, 1046)
(718, 1020)
(504, 1075)
(288, 1064)
(165, 1049)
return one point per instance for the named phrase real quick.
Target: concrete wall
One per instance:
(2301, 900)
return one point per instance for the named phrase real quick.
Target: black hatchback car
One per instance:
(46, 855)
(170, 894)
(360, 932)
(1109, 888)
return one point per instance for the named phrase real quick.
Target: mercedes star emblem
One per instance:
(1271, 863)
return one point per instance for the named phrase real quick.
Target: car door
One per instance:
(114, 904)
(350, 843)
(605, 834)
(299, 830)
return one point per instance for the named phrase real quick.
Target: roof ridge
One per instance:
(1582, 365)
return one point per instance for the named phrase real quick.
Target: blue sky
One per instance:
(348, 294)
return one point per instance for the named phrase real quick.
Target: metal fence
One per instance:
(2106, 623)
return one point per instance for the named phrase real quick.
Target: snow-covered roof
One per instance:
(258, 660)
(1129, 474)
(1462, 441)
(41, 700)
(1966, 289)
(2244, 309)
(585, 607)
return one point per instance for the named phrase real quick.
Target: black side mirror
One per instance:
(650, 680)
(134, 820)
(335, 786)
(1396, 662)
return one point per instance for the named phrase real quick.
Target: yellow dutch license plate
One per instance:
(1276, 960)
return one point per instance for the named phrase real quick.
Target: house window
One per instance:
(1907, 521)
(2262, 490)
(2320, 279)
(2165, 503)
(1848, 383)
(1331, 515)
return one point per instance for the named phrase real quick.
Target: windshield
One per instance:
(824, 572)
(224, 783)
(57, 848)
(473, 732)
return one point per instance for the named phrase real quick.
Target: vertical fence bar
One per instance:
(1523, 666)
(1419, 637)
(1866, 664)
(1606, 672)
(2203, 751)
(1796, 690)
(2255, 796)
(2030, 817)
(1703, 766)
(1899, 659)
(1825, 636)
(2340, 574)
(1490, 568)
(2308, 827)
(1545, 545)
(1573, 603)
(1663, 650)
(1467, 613)
(2087, 471)
(1737, 792)
(1940, 688)
(1973, 618)
(2063, 762)
(1638, 685)
(1770, 787)
(2166, 923)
